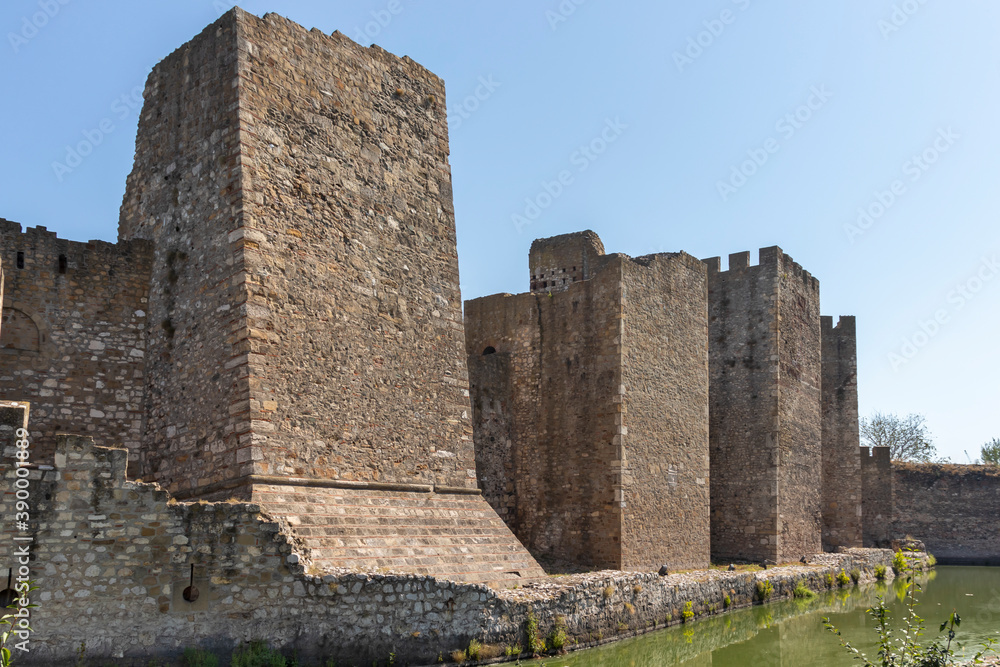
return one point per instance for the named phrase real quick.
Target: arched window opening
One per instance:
(18, 331)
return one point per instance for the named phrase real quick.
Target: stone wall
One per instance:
(557, 262)
(665, 462)
(73, 343)
(113, 561)
(564, 433)
(590, 407)
(765, 432)
(952, 509)
(185, 194)
(306, 290)
(306, 268)
(876, 496)
(841, 442)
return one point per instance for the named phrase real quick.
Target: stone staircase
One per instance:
(458, 537)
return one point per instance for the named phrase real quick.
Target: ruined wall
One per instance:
(765, 429)
(113, 560)
(664, 449)
(841, 441)
(953, 509)
(186, 194)
(73, 336)
(557, 262)
(876, 496)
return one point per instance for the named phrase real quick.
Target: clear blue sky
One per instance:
(867, 92)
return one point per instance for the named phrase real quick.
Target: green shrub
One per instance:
(829, 580)
(764, 590)
(512, 651)
(727, 602)
(474, 649)
(931, 560)
(257, 654)
(843, 579)
(802, 592)
(536, 644)
(899, 562)
(688, 613)
(880, 571)
(855, 575)
(558, 638)
(195, 657)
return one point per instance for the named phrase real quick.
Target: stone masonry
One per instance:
(765, 426)
(841, 441)
(281, 318)
(73, 339)
(590, 406)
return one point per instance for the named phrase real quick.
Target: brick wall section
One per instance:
(841, 440)
(665, 465)
(74, 344)
(953, 509)
(185, 193)
(581, 429)
(877, 496)
(119, 583)
(765, 431)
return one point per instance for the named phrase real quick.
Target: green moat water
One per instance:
(791, 633)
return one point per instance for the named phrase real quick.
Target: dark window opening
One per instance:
(63, 263)
(489, 350)
(20, 259)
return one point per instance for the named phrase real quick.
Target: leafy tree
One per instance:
(991, 452)
(906, 437)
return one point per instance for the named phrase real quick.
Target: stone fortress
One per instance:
(277, 341)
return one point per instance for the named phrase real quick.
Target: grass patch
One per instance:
(764, 590)
(802, 592)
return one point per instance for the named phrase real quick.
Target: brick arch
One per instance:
(21, 331)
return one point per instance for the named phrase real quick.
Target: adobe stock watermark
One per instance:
(956, 300)
(582, 158)
(381, 18)
(33, 24)
(705, 39)
(21, 552)
(121, 108)
(913, 170)
(463, 110)
(900, 16)
(563, 11)
(786, 126)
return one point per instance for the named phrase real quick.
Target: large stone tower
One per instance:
(590, 397)
(306, 348)
(766, 433)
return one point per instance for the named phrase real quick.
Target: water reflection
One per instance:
(791, 633)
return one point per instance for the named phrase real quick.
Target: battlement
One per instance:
(876, 457)
(846, 326)
(772, 258)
